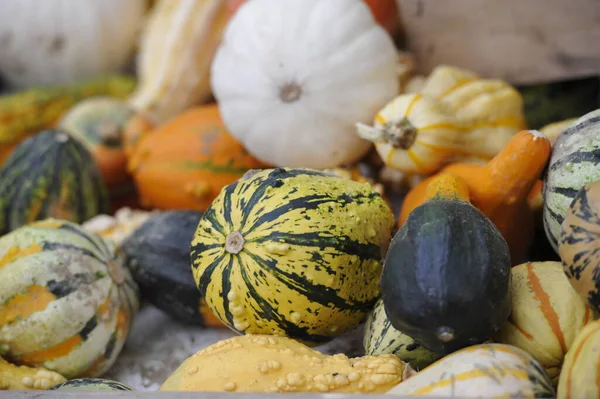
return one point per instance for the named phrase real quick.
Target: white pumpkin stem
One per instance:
(370, 133)
(399, 133)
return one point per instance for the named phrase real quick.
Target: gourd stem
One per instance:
(234, 242)
(400, 133)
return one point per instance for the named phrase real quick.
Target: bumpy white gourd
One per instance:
(293, 76)
(53, 42)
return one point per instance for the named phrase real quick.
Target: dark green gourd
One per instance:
(158, 255)
(50, 175)
(446, 278)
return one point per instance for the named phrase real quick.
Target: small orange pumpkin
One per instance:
(500, 189)
(185, 163)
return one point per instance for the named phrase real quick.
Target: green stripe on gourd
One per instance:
(91, 384)
(575, 161)
(50, 175)
(381, 338)
(292, 251)
(66, 301)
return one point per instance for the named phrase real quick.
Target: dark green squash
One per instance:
(446, 279)
(91, 384)
(158, 255)
(50, 175)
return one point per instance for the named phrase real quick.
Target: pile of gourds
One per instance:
(266, 211)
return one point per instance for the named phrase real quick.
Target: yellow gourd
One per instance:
(13, 377)
(480, 117)
(547, 314)
(262, 363)
(580, 376)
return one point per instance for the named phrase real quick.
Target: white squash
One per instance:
(486, 371)
(293, 76)
(61, 41)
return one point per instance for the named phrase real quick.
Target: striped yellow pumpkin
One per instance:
(292, 252)
(547, 314)
(456, 116)
(415, 134)
(487, 370)
(66, 302)
(580, 376)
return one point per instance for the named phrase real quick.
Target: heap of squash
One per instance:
(264, 213)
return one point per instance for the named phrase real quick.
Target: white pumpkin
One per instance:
(61, 41)
(483, 371)
(293, 76)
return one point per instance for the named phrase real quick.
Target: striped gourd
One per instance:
(486, 370)
(580, 377)
(50, 175)
(579, 243)
(547, 314)
(382, 338)
(575, 161)
(91, 384)
(66, 301)
(292, 252)
(456, 116)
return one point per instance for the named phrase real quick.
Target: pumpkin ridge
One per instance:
(23, 304)
(412, 103)
(545, 305)
(209, 271)
(226, 286)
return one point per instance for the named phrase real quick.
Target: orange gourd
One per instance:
(500, 189)
(185, 163)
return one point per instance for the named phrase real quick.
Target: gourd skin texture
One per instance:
(547, 314)
(158, 255)
(382, 338)
(580, 376)
(575, 162)
(280, 364)
(50, 175)
(91, 384)
(66, 301)
(292, 252)
(444, 247)
(488, 371)
(311, 69)
(579, 243)
(13, 377)
(61, 41)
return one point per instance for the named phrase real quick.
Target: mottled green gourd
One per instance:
(91, 384)
(50, 175)
(381, 338)
(292, 252)
(575, 162)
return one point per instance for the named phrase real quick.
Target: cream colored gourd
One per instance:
(547, 314)
(580, 376)
(177, 47)
(485, 114)
(291, 78)
(62, 41)
(264, 363)
(483, 371)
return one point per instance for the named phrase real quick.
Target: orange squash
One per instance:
(500, 189)
(386, 12)
(185, 163)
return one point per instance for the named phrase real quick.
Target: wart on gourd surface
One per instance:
(288, 251)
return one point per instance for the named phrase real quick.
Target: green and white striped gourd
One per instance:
(292, 252)
(381, 338)
(575, 161)
(50, 175)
